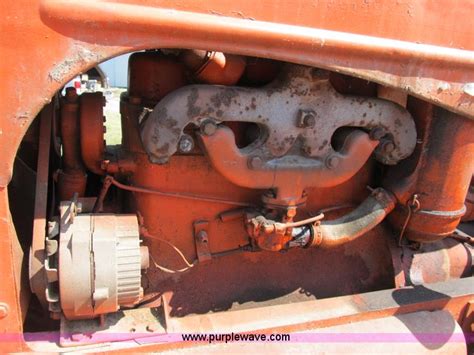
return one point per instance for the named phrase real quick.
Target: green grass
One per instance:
(113, 135)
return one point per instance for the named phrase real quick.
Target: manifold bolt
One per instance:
(306, 118)
(208, 127)
(255, 162)
(388, 147)
(332, 161)
(186, 143)
(377, 133)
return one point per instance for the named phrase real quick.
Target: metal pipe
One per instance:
(72, 178)
(439, 181)
(346, 229)
(215, 68)
(469, 216)
(175, 194)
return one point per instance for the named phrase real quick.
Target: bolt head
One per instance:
(208, 128)
(255, 162)
(332, 161)
(306, 118)
(291, 212)
(377, 133)
(186, 144)
(388, 147)
(202, 236)
(309, 120)
(4, 310)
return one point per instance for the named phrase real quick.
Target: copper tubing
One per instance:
(175, 194)
(346, 229)
(72, 179)
(214, 67)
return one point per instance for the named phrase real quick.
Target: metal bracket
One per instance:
(202, 240)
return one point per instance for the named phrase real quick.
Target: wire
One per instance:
(169, 271)
(175, 248)
(413, 205)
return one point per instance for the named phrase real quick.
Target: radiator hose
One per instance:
(330, 234)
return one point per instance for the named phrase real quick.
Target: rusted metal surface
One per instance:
(169, 182)
(421, 331)
(451, 296)
(432, 262)
(417, 332)
(278, 109)
(443, 169)
(264, 277)
(311, 315)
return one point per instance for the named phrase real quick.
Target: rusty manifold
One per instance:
(100, 262)
(298, 115)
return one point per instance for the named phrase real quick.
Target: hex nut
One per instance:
(377, 133)
(388, 146)
(255, 162)
(309, 120)
(306, 118)
(208, 127)
(332, 161)
(4, 310)
(202, 236)
(186, 143)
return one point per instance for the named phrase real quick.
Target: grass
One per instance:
(113, 135)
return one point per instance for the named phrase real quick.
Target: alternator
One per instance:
(100, 262)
